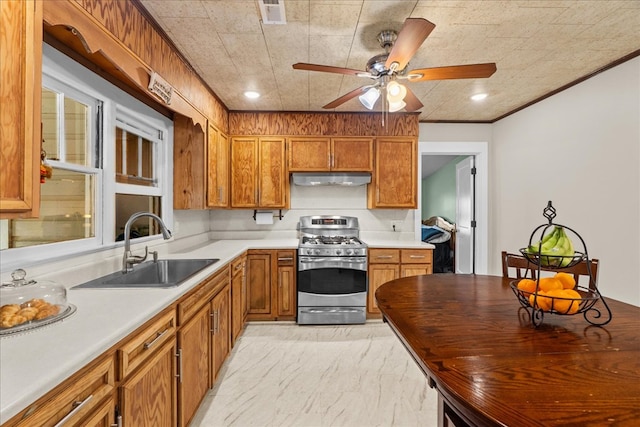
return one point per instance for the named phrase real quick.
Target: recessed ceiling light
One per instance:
(479, 96)
(252, 94)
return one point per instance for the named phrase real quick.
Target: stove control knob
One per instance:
(349, 252)
(338, 251)
(317, 251)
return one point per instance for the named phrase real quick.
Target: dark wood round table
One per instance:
(477, 346)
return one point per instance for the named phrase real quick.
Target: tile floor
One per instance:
(290, 375)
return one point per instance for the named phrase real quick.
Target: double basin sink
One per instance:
(164, 273)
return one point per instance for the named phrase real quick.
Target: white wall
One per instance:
(579, 149)
(330, 200)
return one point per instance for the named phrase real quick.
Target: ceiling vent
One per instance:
(272, 11)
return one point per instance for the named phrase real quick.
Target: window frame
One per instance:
(59, 68)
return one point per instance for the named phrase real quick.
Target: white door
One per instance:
(464, 216)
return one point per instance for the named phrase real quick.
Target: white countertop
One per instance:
(34, 362)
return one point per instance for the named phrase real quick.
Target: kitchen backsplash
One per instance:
(323, 200)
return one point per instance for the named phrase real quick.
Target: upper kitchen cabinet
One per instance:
(394, 181)
(188, 164)
(259, 177)
(217, 169)
(20, 93)
(309, 154)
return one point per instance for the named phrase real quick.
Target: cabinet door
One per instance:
(218, 169)
(286, 284)
(20, 97)
(378, 275)
(237, 298)
(244, 167)
(189, 166)
(220, 307)
(104, 416)
(407, 270)
(352, 154)
(273, 181)
(259, 276)
(148, 397)
(193, 364)
(394, 182)
(309, 154)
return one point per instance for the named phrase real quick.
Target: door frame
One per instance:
(480, 150)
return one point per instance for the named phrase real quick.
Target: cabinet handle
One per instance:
(238, 267)
(118, 422)
(179, 357)
(285, 259)
(333, 161)
(416, 256)
(76, 408)
(213, 322)
(329, 161)
(148, 345)
(384, 256)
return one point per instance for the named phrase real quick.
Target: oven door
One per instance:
(332, 276)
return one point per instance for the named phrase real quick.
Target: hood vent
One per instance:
(344, 179)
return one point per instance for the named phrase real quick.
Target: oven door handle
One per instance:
(317, 263)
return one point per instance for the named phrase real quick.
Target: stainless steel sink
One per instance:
(164, 273)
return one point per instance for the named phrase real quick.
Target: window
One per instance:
(110, 155)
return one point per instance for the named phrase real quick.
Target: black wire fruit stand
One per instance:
(563, 306)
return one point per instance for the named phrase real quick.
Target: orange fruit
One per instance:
(549, 283)
(575, 303)
(542, 302)
(558, 302)
(568, 282)
(527, 286)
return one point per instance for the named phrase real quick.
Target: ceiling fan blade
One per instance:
(329, 69)
(346, 97)
(412, 101)
(473, 71)
(413, 33)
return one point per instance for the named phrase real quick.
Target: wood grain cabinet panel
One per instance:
(352, 154)
(20, 115)
(217, 169)
(238, 297)
(378, 275)
(189, 166)
(307, 154)
(76, 400)
(286, 284)
(221, 330)
(317, 154)
(259, 285)
(394, 181)
(148, 396)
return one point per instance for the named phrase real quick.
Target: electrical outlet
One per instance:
(396, 225)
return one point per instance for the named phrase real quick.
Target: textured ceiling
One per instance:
(538, 46)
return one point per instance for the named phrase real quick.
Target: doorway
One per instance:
(480, 152)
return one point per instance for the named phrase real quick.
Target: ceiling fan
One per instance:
(390, 66)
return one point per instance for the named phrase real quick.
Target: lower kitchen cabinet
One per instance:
(238, 297)
(82, 400)
(386, 264)
(221, 334)
(148, 397)
(271, 284)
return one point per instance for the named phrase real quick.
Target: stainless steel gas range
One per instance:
(332, 271)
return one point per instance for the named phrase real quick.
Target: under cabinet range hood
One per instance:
(350, 179)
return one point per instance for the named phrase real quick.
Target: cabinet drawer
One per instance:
(200, 296)
(135, 351)
(286, 257)
(236, 265)
(74, 399)
(416, 256)
(384, 256)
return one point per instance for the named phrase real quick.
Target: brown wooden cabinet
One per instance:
(394, 181)
(217, 169)
(221, 334)
(189, 168)
(272, 284)
(259, 176)
(386, 264)
(320, 154)
(238, 297)
(20, 115)
(286, 284)
(84, 399)
(193, 364)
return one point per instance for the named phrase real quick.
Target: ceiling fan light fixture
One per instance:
(395, 92)
(369, 98)
(396, 106)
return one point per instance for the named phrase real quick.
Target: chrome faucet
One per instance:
(129, 260)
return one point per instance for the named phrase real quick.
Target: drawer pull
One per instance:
(384, 256)
(238, 267)
(159, 335)
(77, 407)
(416, 256)
(285, 259)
